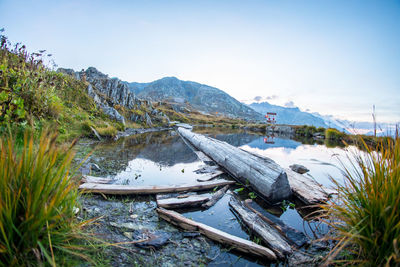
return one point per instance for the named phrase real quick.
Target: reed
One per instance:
(38, 199)
(366, 215)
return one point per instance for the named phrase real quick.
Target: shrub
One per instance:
(334, 134)
(37, 202)
(366, 215)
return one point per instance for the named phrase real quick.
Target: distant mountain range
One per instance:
(202, 97)
(292, 116)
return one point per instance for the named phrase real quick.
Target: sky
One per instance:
(331, 57)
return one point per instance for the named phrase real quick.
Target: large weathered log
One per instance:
(177, 203)
(116, 189)
(266, 232)
(264, 176)
(215, 197)
(306, 189)
(235, 242)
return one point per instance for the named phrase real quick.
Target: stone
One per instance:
(148, 120)
(113, 114)
(299, 168)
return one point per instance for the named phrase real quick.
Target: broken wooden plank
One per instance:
(235, 242)
(266, 232)
(187, 202)
(306, 189)
(215, 197)
(265, 177)
(95, 180)
(292, 235)
(207, 178)
(116, 189)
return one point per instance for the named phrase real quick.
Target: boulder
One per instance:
(299, 168)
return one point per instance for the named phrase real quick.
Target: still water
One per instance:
(163, 158)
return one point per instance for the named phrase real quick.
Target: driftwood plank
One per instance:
(176, 203)
(306, 189)
(95, 180)
(265, 177)
(235, 242)
(266, 232)
(215, 197)
(116, 189)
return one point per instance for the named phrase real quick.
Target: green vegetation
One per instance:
(333, 134)
(35, 97)
(38, 202)
(366, 215)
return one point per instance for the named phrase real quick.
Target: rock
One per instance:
(157, 239)
(148, 120)
(95, 133)
(299, 168)
(113, 114)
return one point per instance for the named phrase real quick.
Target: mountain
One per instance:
(292, 116)
(202, 97)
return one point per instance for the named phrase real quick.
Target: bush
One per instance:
(366, 215)
(37, 202)
(333, 134)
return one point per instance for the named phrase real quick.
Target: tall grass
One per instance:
(37, 202)
(366, 215)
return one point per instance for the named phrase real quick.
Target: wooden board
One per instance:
(215, 197)
(219, 236)
(266, 232)
(95, 180)
(306, 189)
(116, 189)
(176, 203)
(265, 177)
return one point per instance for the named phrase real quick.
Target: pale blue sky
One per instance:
(331, 57)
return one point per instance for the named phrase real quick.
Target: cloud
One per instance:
(289, 104)
(260, 98)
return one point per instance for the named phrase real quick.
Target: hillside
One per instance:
(202, 97)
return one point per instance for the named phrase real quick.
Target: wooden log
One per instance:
(265, 177)
(187, 202)
(306, 189)
(292, 235)
(95, 180)
(219, 236)
(215, 197)
(116, 189)
(266, 232)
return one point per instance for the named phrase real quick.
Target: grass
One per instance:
(38, 199)
(366, 215)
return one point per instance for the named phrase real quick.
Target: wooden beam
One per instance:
(266, 232)
(215, 197)
(177, 203)
(116, 189)
(265, 177)
(219, 236)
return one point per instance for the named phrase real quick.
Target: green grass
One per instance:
(38, 199)
(366, 215)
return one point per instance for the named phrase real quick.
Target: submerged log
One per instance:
(235, 242)
(292, 235)
(95, 180)
(266, 232)
(116, 189)
(215, 197)
(306, 189)
(177, 203)
(265, 177)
